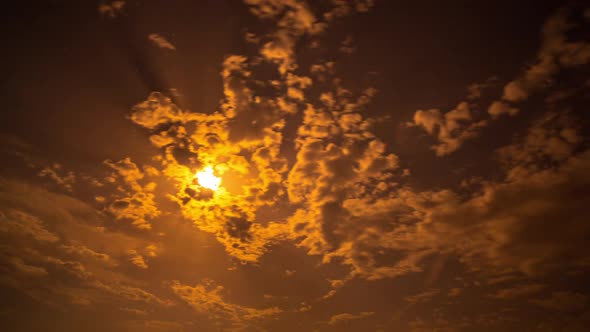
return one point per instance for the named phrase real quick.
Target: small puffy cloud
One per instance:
(451, 129)
(161, 42)
(137, 259)
(111, 9)
(65, 179)
(159, 110)
(346, 317)
(498, 108)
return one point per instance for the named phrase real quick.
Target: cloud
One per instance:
(475, 90)
(293, 19)
(137, 259)
(161, 42)
(345, 317)
(453, 128)
(67, 180)
(553, 136)
(133, 201)
(497, 108)
(51, 250)
(450, 129)
(83, 251)
(347, 45)
(555, 52)
(241, 142)
(527, 223)
(517, 291)
(111, 9)
(206, 298)
(530, 222)
(345, 8)
(423, 296)
(18, 222)
(563, 301)
(339, 166)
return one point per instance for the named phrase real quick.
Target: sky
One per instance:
(291, 165)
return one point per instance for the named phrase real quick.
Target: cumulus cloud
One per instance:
(293, 19)
(497, 108)
(137, 259)
(302, 165)
(67, 179)
(241, 142)
(133, 201)
(556, 51)
(530, 222)
(450, 129)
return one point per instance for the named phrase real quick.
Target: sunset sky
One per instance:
(291, 165)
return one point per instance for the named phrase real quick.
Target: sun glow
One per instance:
(207, 179)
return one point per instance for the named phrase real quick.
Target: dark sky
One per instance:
(381, 166)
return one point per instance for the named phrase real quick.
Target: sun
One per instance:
(207, 179)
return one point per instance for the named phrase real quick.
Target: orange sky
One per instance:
(290, 165)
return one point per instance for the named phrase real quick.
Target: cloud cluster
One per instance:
(453, 128)
(530, 222)
(242, 145)
(53, 251)
(132, 200)
(344, 201)
(206, 299)
(556, 52)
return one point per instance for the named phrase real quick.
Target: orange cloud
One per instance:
(206, 299)
(161, 42)
(345, 317)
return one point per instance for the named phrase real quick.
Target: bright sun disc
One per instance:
(207, 179)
